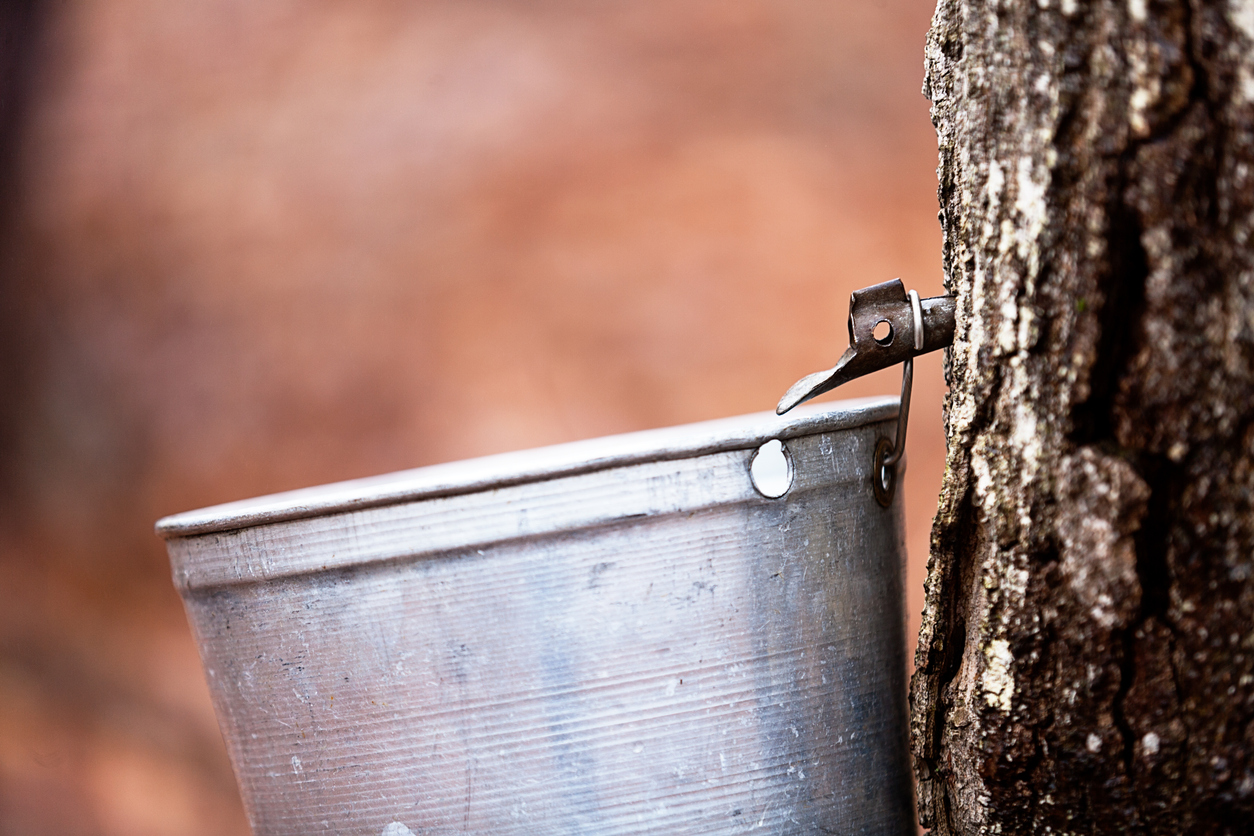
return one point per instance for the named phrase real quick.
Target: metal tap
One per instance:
(908, 326)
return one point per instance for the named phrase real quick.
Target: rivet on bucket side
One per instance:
(771, 469)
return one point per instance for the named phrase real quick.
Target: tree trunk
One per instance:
(1086, 661)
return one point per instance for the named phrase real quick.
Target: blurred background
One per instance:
(248, 247)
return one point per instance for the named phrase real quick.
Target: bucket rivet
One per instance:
(883, 473)
(771, 469)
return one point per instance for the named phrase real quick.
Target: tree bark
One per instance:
(1086, 661)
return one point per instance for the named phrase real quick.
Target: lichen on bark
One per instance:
(1086, 660)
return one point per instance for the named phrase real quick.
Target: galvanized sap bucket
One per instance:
(650, 633)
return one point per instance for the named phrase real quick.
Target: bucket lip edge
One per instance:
(518, 467)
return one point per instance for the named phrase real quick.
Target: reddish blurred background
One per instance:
(254, 246)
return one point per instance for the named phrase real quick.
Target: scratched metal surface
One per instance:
(648, 647)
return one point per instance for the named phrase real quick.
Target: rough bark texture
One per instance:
(1086, 662)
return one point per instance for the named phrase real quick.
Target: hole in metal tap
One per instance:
(883, 332)
(771, 469)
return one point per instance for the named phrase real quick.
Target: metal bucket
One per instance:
(622, 635)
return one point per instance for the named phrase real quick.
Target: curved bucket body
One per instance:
(615, 636)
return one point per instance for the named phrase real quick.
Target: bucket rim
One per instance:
(531, 465)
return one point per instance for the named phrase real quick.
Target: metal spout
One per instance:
(911, 331)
